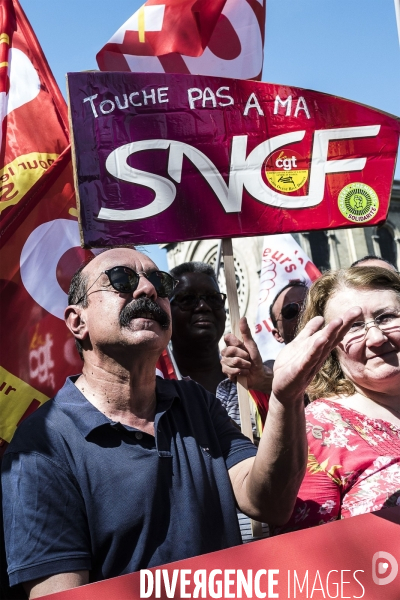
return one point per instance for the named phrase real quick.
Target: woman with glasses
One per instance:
(353, 421)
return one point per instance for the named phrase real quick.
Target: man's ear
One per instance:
(277, 336)
(75, 321)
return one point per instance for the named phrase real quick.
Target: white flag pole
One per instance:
(243, 396)
(218, 259)
(397, 9)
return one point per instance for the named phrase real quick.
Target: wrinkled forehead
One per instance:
(116, 257)
(196, 283)
(370, 300)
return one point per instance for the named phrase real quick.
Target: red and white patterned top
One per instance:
(353, 466)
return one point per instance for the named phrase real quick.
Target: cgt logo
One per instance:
(245, 171)
(380, 567)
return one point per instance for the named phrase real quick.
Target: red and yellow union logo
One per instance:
(284, 170)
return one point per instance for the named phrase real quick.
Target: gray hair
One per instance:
(193, 267)
(77, 291)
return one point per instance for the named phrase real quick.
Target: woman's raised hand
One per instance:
(300, 360)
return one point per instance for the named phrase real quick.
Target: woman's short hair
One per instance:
(330, 379)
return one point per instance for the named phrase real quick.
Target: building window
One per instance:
(319, 246)
(387, 245)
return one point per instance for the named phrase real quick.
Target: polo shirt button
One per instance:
(138, 435)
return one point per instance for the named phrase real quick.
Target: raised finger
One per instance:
(328, 338)
(337, 329)
(311, 328)
(232, 340)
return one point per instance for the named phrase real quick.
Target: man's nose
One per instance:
(145, 288)
(202, 305)
(374, 335)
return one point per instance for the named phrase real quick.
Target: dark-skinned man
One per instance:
(198, 319)
(198, 323)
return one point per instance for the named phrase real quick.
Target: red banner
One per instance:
(353, 558)
(29, 97)
(165, 158)
(41, 252)
(39, 233)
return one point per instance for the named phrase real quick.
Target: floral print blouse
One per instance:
(353, 466)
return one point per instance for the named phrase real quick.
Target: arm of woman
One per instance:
(318, 500)
(325, 483)
(266, 486)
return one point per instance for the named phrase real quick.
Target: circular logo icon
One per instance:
(358, 202)
(284, 172)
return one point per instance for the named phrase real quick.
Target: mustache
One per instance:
(136, 308)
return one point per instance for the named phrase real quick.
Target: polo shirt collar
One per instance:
(87, 417)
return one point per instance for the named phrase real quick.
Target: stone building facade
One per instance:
(329, 249)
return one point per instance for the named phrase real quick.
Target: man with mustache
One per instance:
(122, 470)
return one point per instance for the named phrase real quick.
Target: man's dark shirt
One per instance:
(84, 493)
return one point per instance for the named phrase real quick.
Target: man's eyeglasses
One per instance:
(126, 280)
(385, 322)
(191, 301)
(291, 310)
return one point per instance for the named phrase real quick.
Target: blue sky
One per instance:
(348, 48)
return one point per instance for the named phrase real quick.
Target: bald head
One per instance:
(374, 261)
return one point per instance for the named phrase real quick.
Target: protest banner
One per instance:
(282, 261)
(224, 38)
(165, 158)
(352, 558)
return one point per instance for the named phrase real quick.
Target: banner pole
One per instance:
(218, 259)
(170, 353)
(397, 9)
(242, 390)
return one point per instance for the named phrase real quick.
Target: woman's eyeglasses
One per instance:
(385, 322)
(291, 310)
(191, 301)
(126, 280)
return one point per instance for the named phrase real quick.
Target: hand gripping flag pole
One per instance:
(242, 390)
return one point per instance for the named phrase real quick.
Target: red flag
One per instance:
(165, 367)
(41, 251)
(29, 99)
(204, 37)
(158, 27)
(39, 232)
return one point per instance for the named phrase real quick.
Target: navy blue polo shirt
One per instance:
(82, 492)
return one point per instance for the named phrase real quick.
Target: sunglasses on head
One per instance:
(291, 310)
(126, 280)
